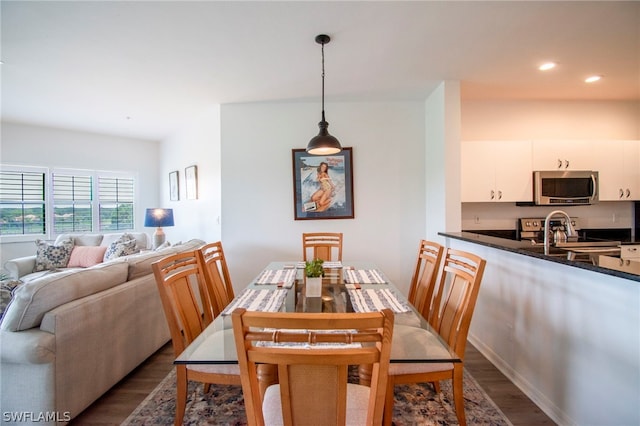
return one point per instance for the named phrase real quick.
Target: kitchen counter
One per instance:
(610, 265)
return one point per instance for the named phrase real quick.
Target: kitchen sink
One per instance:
(588, 245)
(553, 251)
(579, 251)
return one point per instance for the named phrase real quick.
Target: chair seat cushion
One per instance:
(357, 405)
(398, 369)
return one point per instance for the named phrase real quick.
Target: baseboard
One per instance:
(538, 398)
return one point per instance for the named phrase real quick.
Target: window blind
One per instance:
(72, 203)
(22, 203)
(116, 197)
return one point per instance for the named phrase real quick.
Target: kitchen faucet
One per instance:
(569, 228)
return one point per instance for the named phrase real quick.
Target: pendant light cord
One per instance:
(323, 82)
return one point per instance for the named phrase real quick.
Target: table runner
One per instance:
(373, 300)
(327, 264)
(363, 276)
(267, 300)
(286, 277)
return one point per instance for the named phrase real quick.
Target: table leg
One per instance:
(267, 376)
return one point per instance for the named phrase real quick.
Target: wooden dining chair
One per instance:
(187, 309)
(461, 276)
(216, 275)
(322, 245)
(313, 352)
(423, 282)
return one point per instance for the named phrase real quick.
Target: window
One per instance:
(72, 203)
(51, 202)
(116, 203)
(22, 202)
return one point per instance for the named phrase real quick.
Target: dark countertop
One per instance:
(609, 265)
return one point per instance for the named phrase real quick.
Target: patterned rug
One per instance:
(415, 404)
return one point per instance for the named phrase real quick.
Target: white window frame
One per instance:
(50, 233)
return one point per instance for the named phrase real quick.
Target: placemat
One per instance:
(267, 300)
(363, 276)
(286, 277)
(374, 300)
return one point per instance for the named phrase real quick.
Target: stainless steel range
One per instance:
(576, 248)
(532, 229)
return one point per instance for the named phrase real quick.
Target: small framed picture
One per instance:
(191, 182)
(174, 188)
(323, 185)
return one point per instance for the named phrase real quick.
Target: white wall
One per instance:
(58, 148)
(538, 120)
(442, 160)
(197, 143)
(509, 120)
(258, 223)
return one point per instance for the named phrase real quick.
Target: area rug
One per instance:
(415, 404)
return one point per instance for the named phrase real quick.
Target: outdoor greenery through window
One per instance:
(22, 203)
(39, 201)
(116, 203)
(72, 208)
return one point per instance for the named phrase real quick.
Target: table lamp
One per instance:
(158, 217)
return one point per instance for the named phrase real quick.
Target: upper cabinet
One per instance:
(563, 155)
(618, 166)
(496, 171)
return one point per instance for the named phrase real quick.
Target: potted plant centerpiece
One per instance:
(314, 272)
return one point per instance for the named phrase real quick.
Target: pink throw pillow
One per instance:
(86, 256)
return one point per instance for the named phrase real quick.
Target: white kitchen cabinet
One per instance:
(562, 155)
(618, 166)
(496, 171)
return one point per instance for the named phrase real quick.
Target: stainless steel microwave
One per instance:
(568, 187)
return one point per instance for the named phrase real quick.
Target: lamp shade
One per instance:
(158, 217)
(324, 143)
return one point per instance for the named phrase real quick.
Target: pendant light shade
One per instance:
(324, 143)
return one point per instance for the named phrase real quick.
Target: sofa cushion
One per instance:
(123, 246)
(33, 299)
(86, 256)
(140, 265)
(189, 245)
(81, 239)
(52, 256)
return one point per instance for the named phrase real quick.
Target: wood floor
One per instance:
(123, 398)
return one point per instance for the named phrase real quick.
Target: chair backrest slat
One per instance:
(186, 305)
(423, 283)
(216, 274)
(457, 292)
(322, 245)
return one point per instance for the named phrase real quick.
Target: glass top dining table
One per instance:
(346, 287)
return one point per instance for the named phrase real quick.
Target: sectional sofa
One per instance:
(69, 334)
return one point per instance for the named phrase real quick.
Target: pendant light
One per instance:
(324, 143)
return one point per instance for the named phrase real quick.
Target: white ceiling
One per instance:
(143, 68)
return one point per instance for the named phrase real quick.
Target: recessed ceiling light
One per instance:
(592, 79)
(547, 66)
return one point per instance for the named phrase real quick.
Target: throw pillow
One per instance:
(86, 256)
(49, 256)
(123, 246)
(6, 293)
(163, 246)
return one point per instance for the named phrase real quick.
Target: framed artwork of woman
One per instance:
(323, 185)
